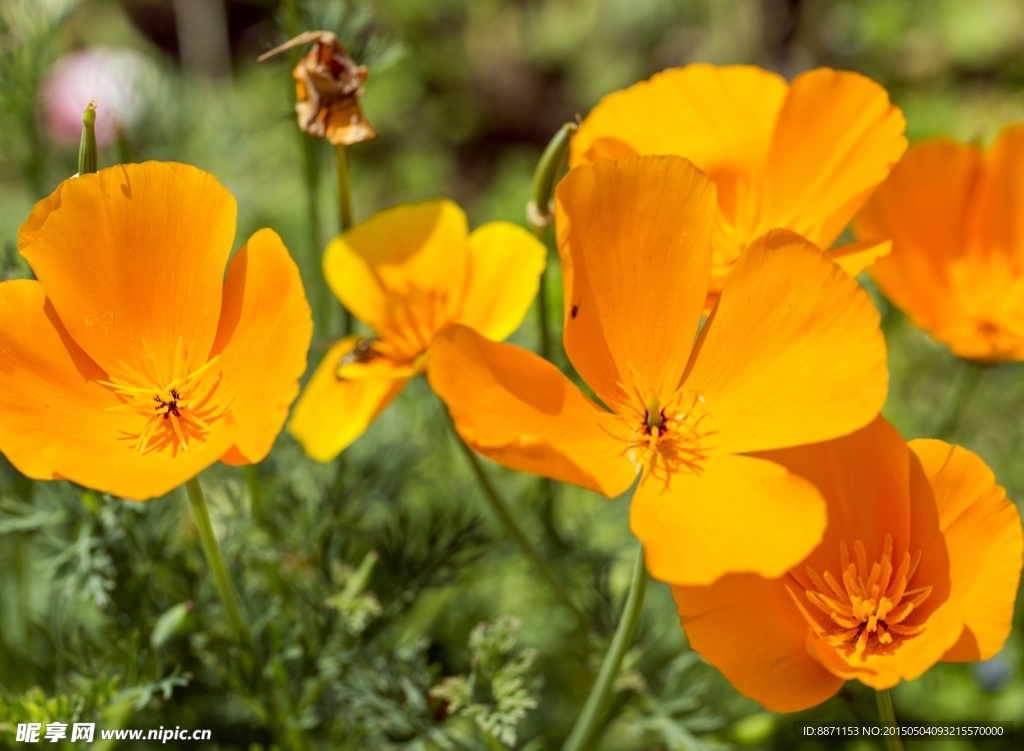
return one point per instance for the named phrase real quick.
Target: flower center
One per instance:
(868, 608)
(669, 436)
(410, 322)
(176, 410)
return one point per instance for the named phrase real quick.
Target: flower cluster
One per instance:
(731, 367)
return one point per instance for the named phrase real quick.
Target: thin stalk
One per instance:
(316, 288)
(344, 216)
(591, 719)
(539, 216)
(962, 392)
(252, 479)
(505, 514)
(887, 715)
(211, 549)
(542, 315)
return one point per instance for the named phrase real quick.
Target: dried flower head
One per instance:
(328, 86)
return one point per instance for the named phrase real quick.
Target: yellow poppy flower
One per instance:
(952, 213)
(802, 156)
(792, 354)
(920, 563)
(131, 364)
(406, 272)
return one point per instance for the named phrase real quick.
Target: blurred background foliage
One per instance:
(391, 610)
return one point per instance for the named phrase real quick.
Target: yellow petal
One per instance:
(404, 267)
(792, 353)
(57, 421)
(333, 412)
(856, 257)
(972, 508)
(836, 138)
(736, 514)
(135, 253)
(263, 340)
(520, 411)
(720, 118)
(506, 262)
(635, 241)
(749, 628)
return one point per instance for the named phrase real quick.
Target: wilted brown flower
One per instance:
(328, 85)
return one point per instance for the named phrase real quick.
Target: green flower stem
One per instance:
(591, 719)
(505, 514)
(888, 717)
(344, 215)
(87, 160)
(252, 479)
(539, 216)
(962, 392)
(211, 548)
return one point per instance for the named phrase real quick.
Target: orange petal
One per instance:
(873, 486)
(263, 340)
(135, 253)
(720, 118)
(332, 412)
(999, 198)
(403, 268)
(923, 209)
(520, 411)
(636, 242)
(736, 514)
(972, 508)
(792, 353)
(836, 139)
(854, 258)
(864, 478)
(54, 418)
(749, 628)
(506, 262)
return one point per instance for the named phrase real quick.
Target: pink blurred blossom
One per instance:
(114, 78)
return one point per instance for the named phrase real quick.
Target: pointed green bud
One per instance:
(87, 148)
(538, 210)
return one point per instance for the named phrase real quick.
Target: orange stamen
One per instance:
(871, 604)
(175, 410)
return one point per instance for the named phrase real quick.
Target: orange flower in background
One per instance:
(792, 354)
(406, 272)
(920, 563)
(953, 213)
(131, 364)
(802, 156)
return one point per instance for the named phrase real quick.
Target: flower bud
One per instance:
(87, 146)
(328, 85)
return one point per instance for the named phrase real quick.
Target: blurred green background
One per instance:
(106, 611)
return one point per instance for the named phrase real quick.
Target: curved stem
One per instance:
(538, 216)
(887, 715)
(344, 216)
(965, 385)
(505, 514)
(211, 549)
(542, 314)
(591, 718)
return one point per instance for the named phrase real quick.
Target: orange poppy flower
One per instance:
(406, 272)
(957, 267)
(900, 581)
(791, 354)
(802, 156)
(132, 364)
